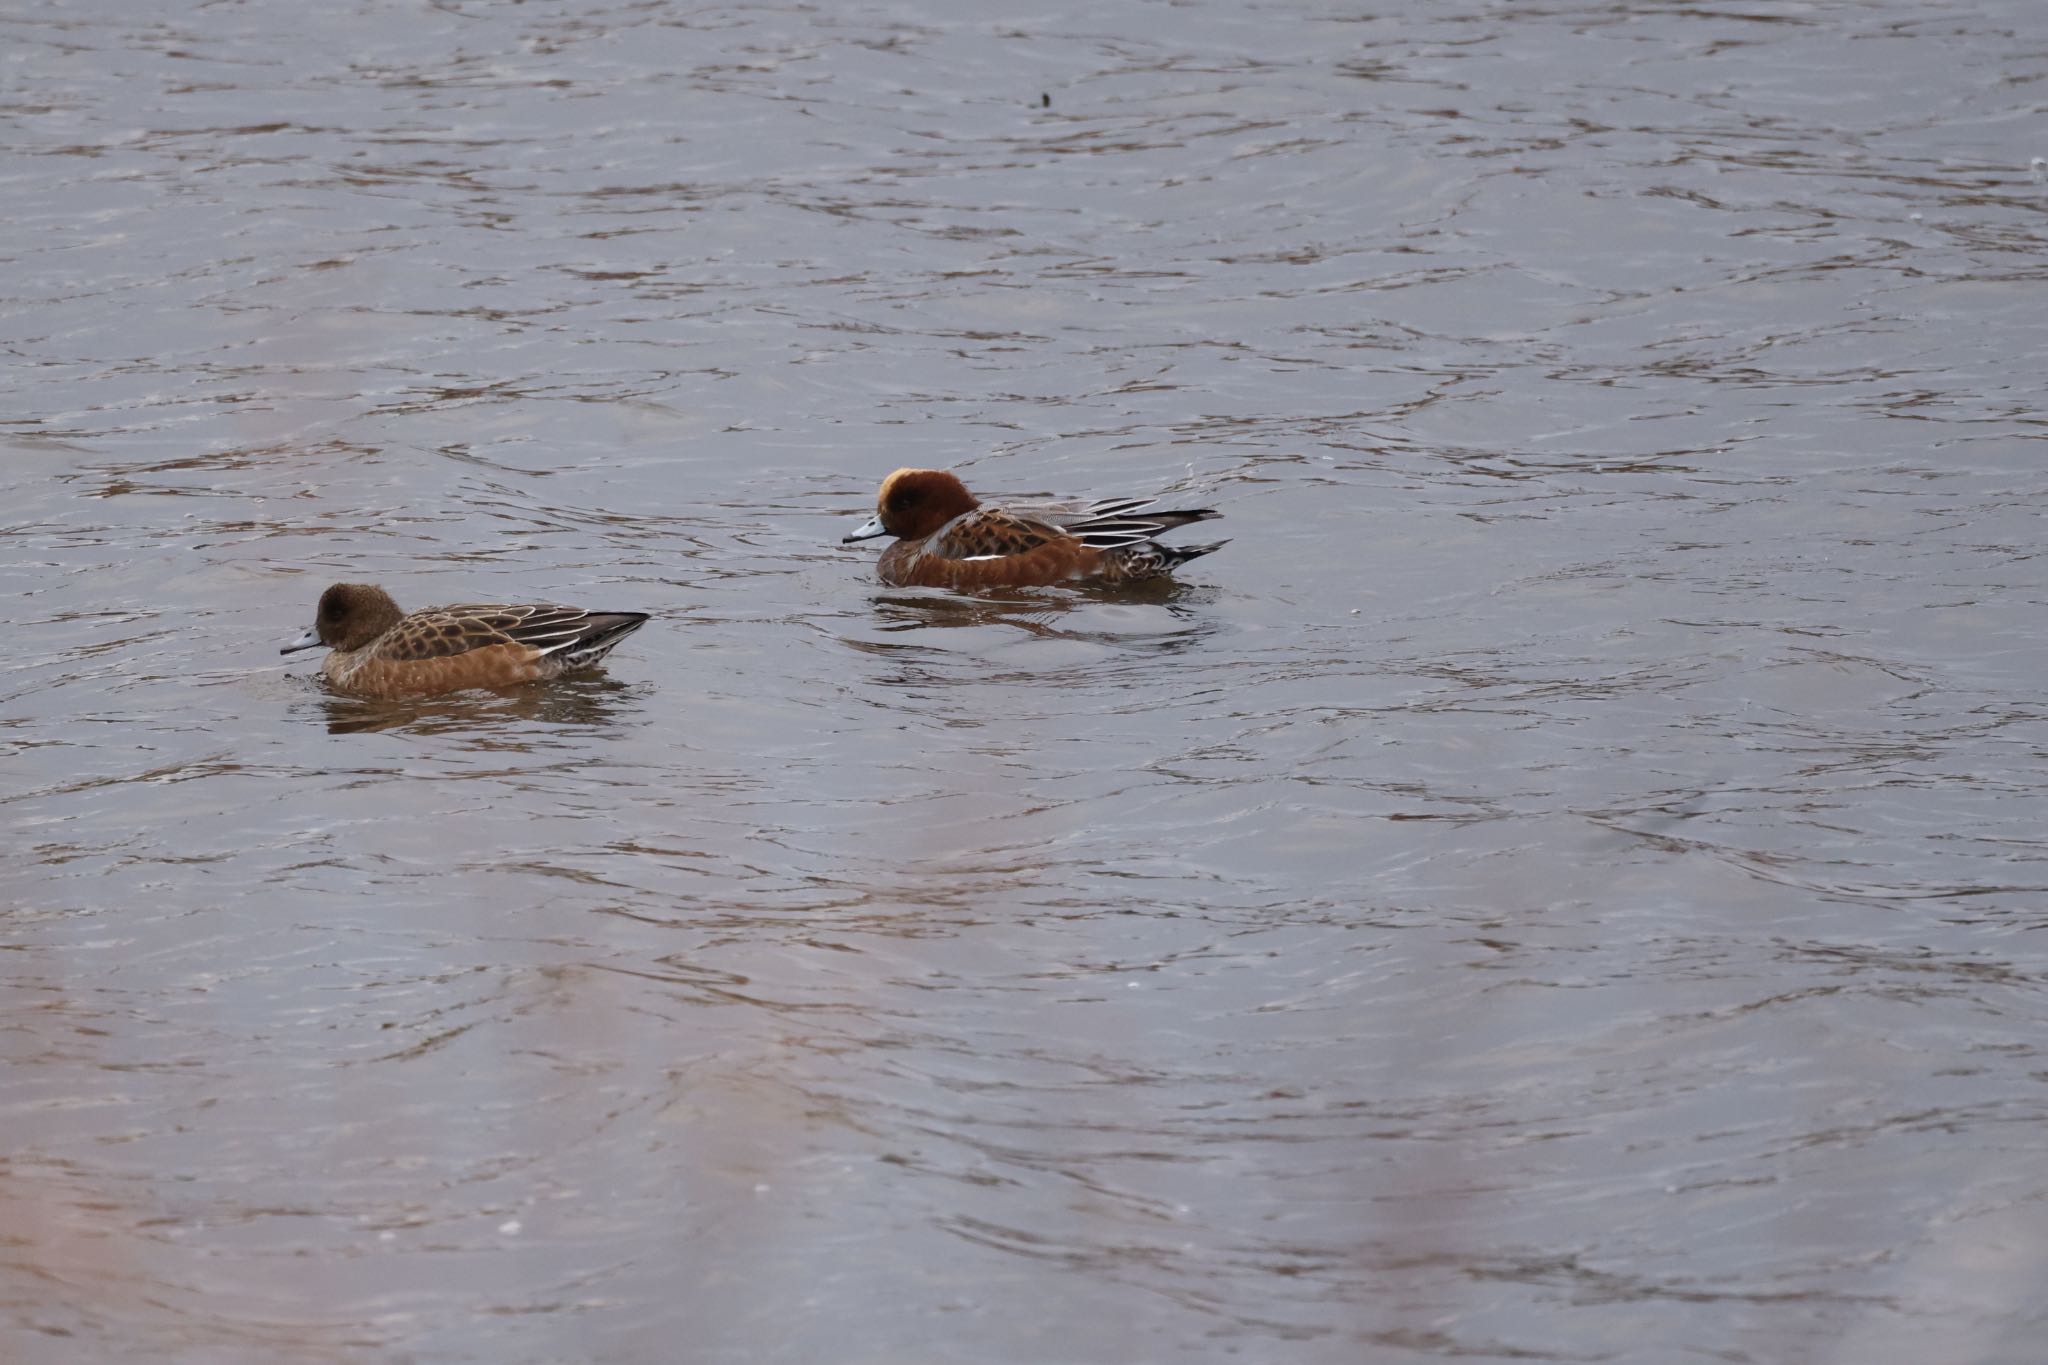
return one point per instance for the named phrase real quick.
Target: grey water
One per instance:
(1566, 883)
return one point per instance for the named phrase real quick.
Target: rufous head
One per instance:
(916, 502)
(349, 616)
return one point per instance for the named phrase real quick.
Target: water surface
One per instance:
(1561, 885)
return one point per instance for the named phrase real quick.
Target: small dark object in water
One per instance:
(1045, 101)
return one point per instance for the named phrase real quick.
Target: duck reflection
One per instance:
(1143, 614)
(1091, 631)
(580, 703)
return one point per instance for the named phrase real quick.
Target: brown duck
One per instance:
(380, 651)
(948, 538)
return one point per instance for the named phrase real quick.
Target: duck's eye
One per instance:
(905, 497)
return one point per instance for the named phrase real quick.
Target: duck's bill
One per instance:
(310, 640)
(867, 530)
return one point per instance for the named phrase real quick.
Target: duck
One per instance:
(948, 538)
(381, 652)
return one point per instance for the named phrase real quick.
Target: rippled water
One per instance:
(1562, 885)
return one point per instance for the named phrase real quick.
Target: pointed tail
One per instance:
(1181, 554)
(605, 630)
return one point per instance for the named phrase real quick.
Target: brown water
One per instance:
(1567, 883)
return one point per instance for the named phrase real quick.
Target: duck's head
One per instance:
(914, 503)
(349, 616)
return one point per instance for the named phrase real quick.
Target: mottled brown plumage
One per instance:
(380, 651)
(947, 538)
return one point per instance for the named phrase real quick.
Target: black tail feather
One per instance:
(1181, 554)
(1166, 521)
(606, 630)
